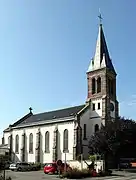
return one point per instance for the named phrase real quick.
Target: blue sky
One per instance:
(46, 47)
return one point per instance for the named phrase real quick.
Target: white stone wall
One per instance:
(99, 165)
(90, 118)
(97, 112)
(45, 157)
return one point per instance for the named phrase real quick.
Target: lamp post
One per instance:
(65, 162)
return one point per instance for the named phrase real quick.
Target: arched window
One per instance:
(93, 86)
(96, 128)
(17, 144)
(31, 143)
(98, 85)
(65, 140)
(47, 143)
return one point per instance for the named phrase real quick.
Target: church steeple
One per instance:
(101, 58)
(101, 78)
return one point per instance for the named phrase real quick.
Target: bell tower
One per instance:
(101, 78)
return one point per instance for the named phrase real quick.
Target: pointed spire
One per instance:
(101, 58)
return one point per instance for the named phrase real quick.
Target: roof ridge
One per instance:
(59, 109)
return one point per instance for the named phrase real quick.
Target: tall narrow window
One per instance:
(3, 140)
(47, 142)
(31, 143)
(84, 131)
(17, 144)
(9, 141)
(93, 86)
(98, 85)
(65, 140)
(96, 128)
(93, 107)
(99, 106)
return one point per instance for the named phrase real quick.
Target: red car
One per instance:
(53, 168)
(50, 168)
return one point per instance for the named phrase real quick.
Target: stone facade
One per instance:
(55, 144)
(37, 149)
(22, 149)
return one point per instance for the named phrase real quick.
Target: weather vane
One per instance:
(100, 17)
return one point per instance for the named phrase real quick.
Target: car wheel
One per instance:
(19, 169)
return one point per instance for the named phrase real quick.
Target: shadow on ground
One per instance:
(131, 170)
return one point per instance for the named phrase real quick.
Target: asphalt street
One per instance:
(39, 175)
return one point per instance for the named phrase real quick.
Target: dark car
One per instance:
(124, 164)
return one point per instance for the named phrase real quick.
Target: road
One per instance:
(32, 175)
(39, 175)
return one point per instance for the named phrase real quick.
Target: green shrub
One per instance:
(86, 173)
(105, 173)
(77, 174)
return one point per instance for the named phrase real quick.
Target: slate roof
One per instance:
(46, 116)
(104, 50)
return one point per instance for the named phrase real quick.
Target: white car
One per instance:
(20, 166)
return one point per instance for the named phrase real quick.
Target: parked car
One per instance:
(53, 168)
(124, 164)
(50, 168)
(20, 166)
(7, 164)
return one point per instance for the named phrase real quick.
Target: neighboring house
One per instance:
(46, 137)
(4, 149)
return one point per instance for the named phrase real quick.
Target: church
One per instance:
(64, 133)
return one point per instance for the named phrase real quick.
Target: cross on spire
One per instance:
(100, 17)
(30, 109)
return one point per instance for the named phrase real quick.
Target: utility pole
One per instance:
(4, 177)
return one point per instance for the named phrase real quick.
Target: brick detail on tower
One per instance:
(101, 79)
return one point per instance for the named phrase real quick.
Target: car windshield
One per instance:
(124, 161)
(48, 164)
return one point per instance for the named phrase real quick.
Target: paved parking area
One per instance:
(39, 175)
(32, 175)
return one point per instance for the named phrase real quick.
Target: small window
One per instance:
(99, 107)
(93, 107)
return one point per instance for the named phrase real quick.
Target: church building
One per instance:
(50, 136)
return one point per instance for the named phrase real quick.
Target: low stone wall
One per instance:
(83, 165)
